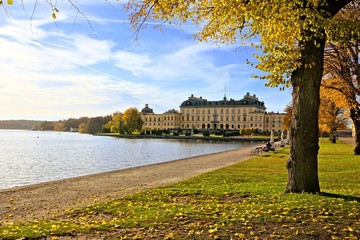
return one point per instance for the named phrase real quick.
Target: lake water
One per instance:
(29, 157)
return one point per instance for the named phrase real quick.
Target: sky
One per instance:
(70, 68)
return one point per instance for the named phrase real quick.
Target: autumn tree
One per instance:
(59, 126)
(292, 39)
(94, 125)
(332, 116)
(286, 122)
(131, 120)
(342, 70)
(45, 126)
(115, 124)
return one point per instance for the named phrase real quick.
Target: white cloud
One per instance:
(53, 73)
(187, 64)
(135, 63)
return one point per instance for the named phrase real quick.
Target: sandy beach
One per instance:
(51, 199)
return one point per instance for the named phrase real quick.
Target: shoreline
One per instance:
(192, 137)
(50, 199)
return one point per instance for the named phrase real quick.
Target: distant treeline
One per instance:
(18, 124)
(84, 125)
(118, 122)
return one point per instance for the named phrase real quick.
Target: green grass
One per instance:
(243, 201)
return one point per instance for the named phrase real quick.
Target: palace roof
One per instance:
(248, 100)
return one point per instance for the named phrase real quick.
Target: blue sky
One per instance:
(58, 70)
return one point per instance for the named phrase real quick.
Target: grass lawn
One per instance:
(243, 201)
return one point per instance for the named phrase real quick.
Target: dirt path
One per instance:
(48, 200)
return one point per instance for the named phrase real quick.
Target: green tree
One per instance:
(131, 120)
(292, 39)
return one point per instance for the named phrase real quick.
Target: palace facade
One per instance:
(225, 114)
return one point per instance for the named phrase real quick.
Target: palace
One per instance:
(226, 114)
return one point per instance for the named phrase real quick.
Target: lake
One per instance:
(30, 157)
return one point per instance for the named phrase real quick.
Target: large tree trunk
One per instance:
(355, 117)
(304, 134)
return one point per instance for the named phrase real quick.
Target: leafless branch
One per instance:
(82, 14)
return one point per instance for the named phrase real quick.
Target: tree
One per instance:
(292, 39)
(286, 122)
(45, 126)
(342, 77)
(59, 126)
(131, 120)
(115, 124)
(332, 116)
(93, 125)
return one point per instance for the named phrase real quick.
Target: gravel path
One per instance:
(51, 199)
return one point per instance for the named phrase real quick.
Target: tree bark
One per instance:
(304, 134)
(332, 136)
(354, 114)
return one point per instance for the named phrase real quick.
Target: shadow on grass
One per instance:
(346, 198)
